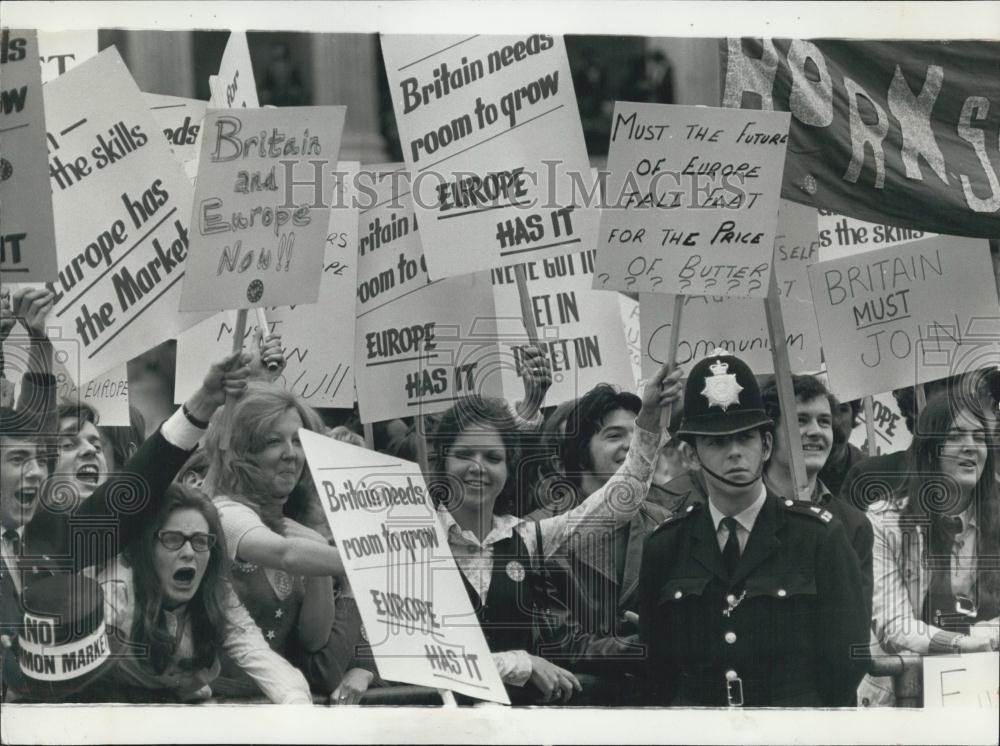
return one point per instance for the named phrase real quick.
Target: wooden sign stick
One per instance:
(227, 411)
(262, 325)
(921, 397)
(419, 424)
(675, 335)
(369, 436)
(786, 394)
(870, 425)
(527, 316)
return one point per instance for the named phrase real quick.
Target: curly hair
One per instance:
(232, 471)
(206, 609)
(475, 413)
(584, 421)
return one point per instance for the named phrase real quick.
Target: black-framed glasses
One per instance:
(200, 542)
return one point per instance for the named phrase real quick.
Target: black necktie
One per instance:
(731, 552)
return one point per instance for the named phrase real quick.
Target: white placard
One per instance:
(417, 615)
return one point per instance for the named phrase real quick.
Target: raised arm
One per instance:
(623, 494)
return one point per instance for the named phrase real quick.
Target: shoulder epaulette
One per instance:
(679, 515)
(803, 507)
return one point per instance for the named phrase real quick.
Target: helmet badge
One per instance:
(721, 388)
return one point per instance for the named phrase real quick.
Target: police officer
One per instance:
(750, 599)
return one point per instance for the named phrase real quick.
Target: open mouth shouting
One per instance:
(184, 577)
(88, 474)
(26, 495)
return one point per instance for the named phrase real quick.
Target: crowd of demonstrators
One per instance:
(687, 567)
(475, 459)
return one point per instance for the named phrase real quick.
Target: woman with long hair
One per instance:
(474, 483)
(937, 541)
(169, 596)
(283, 568)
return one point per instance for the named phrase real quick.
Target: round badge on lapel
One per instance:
(515, 571)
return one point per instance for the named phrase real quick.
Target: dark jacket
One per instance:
(67, 538)
(874, 479)
(789, 641)
(838, 465)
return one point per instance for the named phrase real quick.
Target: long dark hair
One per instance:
(473, 413)
(232, 472)
(932, 495)
(205, 609)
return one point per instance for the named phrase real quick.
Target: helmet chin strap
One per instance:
(733, 482)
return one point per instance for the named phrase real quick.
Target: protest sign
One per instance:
(318, 339)
(27, 238)
(234, 87)
(261, 207)
(490, 130)
(967, 680)
(692, 200)
(420, 345)
(417, 615)
(891, 434)
(740, 324)
(888, 131)
(121, 206)
(906, 314)
(59, 51)
(842, 235)
(629, 310)
(579, 328)
(181, 121)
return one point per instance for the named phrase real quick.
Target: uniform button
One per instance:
(731, 676)
(730, 599)
(782, 592)
(678, 594)
(730, 637)
(789, 503)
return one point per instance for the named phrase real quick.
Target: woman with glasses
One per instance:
(168, 595)
(937, 588)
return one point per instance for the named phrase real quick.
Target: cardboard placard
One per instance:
(261, 207)
(490, 125)
(417, 616)
(740, 324)
(891, 434)
(579, 328)
(318, 339)
(691, 201)
(967, 680)
(121, 205)
(181, 120)
(906, 314)
(842, 235)
(27, 237)
(234, 87)
(629, 310)
(420, 345)
(59, 51)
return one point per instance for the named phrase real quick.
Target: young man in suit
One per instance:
(751, 599)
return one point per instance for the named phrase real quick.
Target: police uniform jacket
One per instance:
(796, 611)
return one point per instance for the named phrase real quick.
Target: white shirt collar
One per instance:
(19, 531)
(746, 517)
(503, 528)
